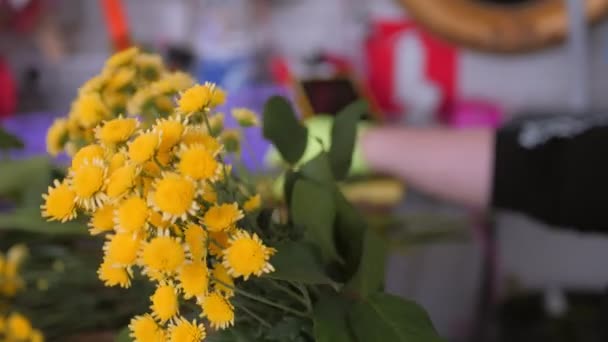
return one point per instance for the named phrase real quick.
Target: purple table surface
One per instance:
(31, 127)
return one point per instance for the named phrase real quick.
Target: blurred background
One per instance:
(459, 63)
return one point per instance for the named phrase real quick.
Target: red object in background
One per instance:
(8, 92)
(116, 23)
(22, 20)
(440, 60)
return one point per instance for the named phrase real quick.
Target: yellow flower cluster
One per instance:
(14, 327)
(131, 82)
(160, 192)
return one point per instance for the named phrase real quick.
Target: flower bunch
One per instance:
(158, 188)
(131, 82)
(14, 326)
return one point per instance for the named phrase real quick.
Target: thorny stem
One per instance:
(262, 300)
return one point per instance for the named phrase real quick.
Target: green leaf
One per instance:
(350, 228)
(313, 207)
(29, 220)
(318, 169)
(123, 335)
(394, 318)
(343, 136)
(228, 335)
(298, 261)
(370, 275)
(288, 329)
(9, 141)
(18, 175)
(330, 320)
(284, 130)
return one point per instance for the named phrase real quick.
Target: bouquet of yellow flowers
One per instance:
(156, 184)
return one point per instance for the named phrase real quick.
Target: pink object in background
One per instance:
(475, 113)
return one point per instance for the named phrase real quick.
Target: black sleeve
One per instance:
(555, 170)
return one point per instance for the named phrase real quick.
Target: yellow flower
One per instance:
(170, 131)
(145, 329)
(222, 281)
(174, 82)
(36, 336)
(144, 147)
(194, 279)
(253, 203)
(122, 249)
(18, 327)
(151, 65)
(232, 140)
(174, 196)
(164, 157)
(218, 95)
(198, 135)
(14, 258)
(139, 100)
(216, 123)
(116, 161)
(198, 163)
(94, 84)
(115, 100)
(56, 136)
(183, 331)
(164, 104)
(220, 240)
(246, 255)
(122, 78)
(113, 275)
(59, 202)
(122, 57)
(194, 99)
(222, 217)
(90, 110)
(86, 155)
(87, 182)
(156, 219)
(209, 193)
(122, 181)
(163, 254)
(245, 117)
(196, 239)
(116, 131)
(218, 310)
(102, 220)
(131, 216)
(164, 302)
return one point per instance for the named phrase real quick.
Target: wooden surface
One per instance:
(500, 28)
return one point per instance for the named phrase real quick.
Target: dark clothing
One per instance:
(555, 170)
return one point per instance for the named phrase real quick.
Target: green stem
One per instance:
(208, 125)
(291, 293)
(261, 299)
(304, 291)
(255, 316)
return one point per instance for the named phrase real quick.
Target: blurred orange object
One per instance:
(116, 23)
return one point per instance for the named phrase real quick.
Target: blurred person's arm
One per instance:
(451, 164)
(554, 169)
